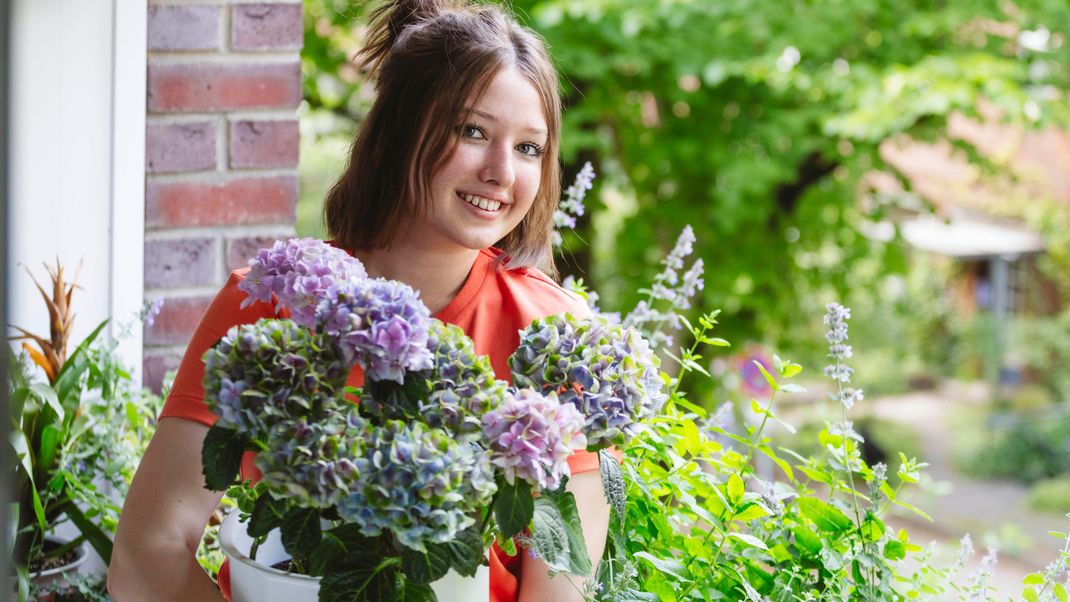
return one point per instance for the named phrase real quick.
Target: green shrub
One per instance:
(1051, 495)
(1028, 449)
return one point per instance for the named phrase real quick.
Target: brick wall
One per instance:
(224, 81)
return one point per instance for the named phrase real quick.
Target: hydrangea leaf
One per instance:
(466, 551)
(221, 457)
(579, 561)
(301, 531)
(267, 514)
(348, 583)
(514, 507)
(344, 543)
(549, 539)
(612, 482)
(427, 566)
(416, 592)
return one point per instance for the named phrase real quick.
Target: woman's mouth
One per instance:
(487, 205)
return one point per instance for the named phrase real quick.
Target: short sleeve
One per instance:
(585, 461)
(186, 399)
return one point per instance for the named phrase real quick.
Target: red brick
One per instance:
(155, 365)
(178, 318)
(264, 144)
(241, 250)
(184, 27)
(266, 27)
(178, 147)
(176, 88)
(238, 202)
(177, 263)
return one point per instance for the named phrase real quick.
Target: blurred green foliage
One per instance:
(755, 121)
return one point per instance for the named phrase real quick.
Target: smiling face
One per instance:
(488, 184)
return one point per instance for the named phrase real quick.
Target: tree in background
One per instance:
(759, 122)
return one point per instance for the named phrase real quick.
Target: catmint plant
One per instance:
(669, 294)
(571, 207)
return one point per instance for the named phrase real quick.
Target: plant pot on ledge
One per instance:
(256, 580)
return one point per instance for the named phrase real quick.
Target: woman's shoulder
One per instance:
(533, 290)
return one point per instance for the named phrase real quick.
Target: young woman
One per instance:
(450, 187)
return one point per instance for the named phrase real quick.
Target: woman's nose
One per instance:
(498, 166)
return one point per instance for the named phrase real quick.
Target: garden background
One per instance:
(909, 160)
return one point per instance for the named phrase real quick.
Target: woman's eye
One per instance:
(530, 149)
(472, 131)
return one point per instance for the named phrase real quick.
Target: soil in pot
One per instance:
(41, 564)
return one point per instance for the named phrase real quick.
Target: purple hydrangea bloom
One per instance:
(314, 462)
(381, 325)
(606, 370)
(418, 483)
(531, 437)
(298, 273)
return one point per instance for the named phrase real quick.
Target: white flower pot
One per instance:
(255, 580)
(61, 574)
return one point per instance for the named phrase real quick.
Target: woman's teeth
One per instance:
(482, 203)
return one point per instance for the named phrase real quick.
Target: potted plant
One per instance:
(436, 462)
(77, 431)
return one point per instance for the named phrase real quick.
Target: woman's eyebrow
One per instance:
(493, 119)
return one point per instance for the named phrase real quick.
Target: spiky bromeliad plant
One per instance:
(74, 435)
(439, 459)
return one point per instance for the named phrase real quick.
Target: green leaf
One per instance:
(669, 566)
(549, 539)
(1060, 592)
(579, 560)
(750, 540)
(301, 531)
(352, 583)
(466, 551)
(735, 489)
(768, 377)
(895, 550)
(268, 513)
(514, 507)
(425, 567)
(345, 544)
(93, 533)
(769, 453)
(416, 592)
(329, 549)
(47, 396)
(792, 388)
(612, 482)
(221, 457)
(807, 539)
(1030, 594)
(914, 509)
(826, 517)
(21, 450)
(1033, 579)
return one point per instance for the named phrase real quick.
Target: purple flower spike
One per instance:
(299, 273)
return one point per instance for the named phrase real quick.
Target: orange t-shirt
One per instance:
(492, 307)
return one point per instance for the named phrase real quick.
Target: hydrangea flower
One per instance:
(274, 370)
(313, 462)
(298, 273)
(531, 437)
(381, 325)
(418, 483)
(606, 370)
(462, 382)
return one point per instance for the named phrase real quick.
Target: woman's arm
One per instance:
(163, 520)
(535, 582)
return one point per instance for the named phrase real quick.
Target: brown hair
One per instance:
(429, 58)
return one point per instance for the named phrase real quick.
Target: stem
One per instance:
(850, 475)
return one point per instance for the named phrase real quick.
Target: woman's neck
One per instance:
(437, 275)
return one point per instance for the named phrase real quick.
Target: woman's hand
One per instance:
(536, 585)
(163, 520)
